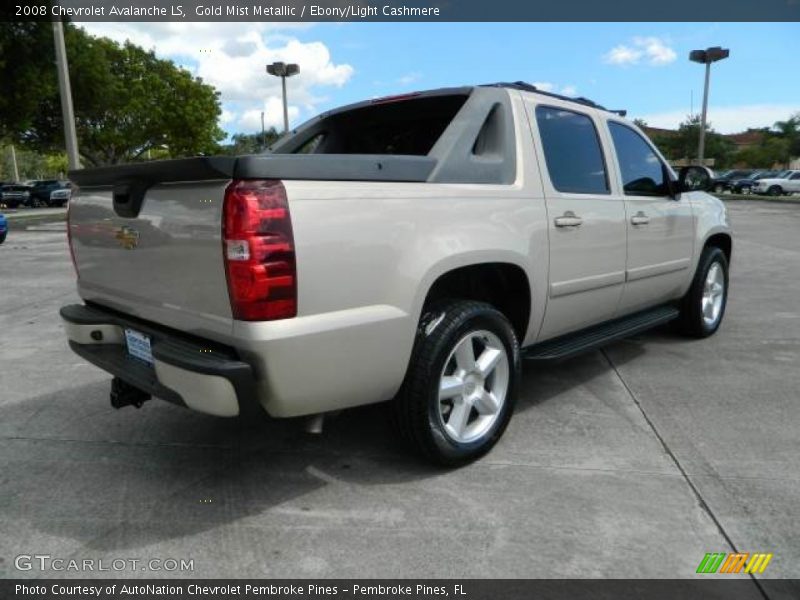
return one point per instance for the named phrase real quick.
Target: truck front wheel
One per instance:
(703, 306)
(461, 385)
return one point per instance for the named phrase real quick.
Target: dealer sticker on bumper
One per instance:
(139, 345)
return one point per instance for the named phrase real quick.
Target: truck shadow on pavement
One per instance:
(89, 479)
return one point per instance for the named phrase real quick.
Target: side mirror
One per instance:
(695, 179)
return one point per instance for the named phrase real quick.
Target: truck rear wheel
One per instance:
(703, 306)
(461, 385)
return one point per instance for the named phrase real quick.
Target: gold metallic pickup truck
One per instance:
(411, 249)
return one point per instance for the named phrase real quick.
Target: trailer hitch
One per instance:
(124, 394)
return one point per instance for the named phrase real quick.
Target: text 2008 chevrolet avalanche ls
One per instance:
(410, 248)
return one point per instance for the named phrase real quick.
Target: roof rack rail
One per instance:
(527, 87)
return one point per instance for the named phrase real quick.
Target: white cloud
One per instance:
(569, 90)
(250, 120)
(547, 86)
(650, 50)
(409, 78)
(226, 117)
(727, 119)
(656, 50)
(233, 59)
(622, 55)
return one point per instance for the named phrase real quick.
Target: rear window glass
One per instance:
(572, 151)
(408, 126)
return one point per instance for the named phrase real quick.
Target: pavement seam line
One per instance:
(703, 504)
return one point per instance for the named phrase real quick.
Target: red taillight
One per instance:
(69, 239)
(258, 247)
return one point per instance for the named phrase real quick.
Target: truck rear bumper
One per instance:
(190, 372)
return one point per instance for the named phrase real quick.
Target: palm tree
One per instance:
(790, 130)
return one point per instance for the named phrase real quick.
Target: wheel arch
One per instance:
(721, 240)
(504, 285)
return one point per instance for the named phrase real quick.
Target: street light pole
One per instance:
(701, 144)
(706, 57)
(70, 136)
(263, 132)
(285, 106)
(282, 70)
(14, 164)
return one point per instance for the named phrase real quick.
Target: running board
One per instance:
(599, 335)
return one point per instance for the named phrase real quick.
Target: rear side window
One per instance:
(572, 151)
(643, 174)
(404, 125)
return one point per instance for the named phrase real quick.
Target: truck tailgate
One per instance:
(165, 264)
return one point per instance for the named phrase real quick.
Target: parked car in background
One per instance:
(60, 197)
(725, 180)
(14, 195)
(42, 189)
(3, 228)
(787, 183)
(745, 184)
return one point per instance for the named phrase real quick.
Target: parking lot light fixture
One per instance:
(282, 70)
(706, 57)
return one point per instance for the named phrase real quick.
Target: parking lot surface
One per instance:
(633, 461)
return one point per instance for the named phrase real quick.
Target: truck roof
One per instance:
(527, 87)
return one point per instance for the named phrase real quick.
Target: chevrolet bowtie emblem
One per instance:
(127, 237)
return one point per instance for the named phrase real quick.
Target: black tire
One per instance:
(3, 237)
(719, 188)
(775, 190)
(691, 321)
(417, 407)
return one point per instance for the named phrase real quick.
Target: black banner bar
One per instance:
(402, 10)
(711, 588)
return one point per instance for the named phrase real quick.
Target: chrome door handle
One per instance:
(640, 219)
(568, 219)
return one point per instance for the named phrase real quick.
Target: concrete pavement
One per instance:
(629, 462)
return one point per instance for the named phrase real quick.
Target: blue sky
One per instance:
(642, 67)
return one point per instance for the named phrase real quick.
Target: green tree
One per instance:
(127, 101)
(683, 143)
(250, 143)
(56, 165)
(789, 130)
(27, 73)
(771, 151)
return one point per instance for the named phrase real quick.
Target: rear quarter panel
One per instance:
(367, 255)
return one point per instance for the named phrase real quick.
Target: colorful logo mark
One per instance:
(722, 562)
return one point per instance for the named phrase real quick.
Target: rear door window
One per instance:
(572, 151)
